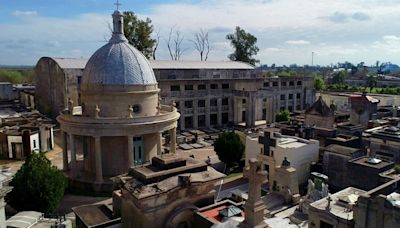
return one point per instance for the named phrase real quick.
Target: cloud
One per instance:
(360, 16)
(18, 13)
(272, 49)
(298, 42)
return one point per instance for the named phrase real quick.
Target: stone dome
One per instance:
(118, 63)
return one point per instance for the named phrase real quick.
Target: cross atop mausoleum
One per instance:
(117, 4)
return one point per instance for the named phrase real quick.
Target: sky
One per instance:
(288, 31)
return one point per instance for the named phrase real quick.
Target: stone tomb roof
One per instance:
(340, 204)
(320, 108)
(140, 191)
(95, 214)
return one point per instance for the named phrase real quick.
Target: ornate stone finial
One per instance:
(130, 112)
(96, 112)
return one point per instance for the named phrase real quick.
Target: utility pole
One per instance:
(312, 58)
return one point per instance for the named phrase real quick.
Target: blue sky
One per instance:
(287, 30)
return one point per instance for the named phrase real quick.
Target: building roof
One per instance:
(80, 63)
(118, 62)
(340, 204)
(70, 63)
(372, 163)
(320, 108)
(24, 219)
(339, 149)
(167, 64)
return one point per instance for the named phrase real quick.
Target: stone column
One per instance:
(99, 168)
(65, 150)
(159, 143)
(172, 134)
(182, 118)
(72, 148)
(219, 112)
(207, 112)
(130, 150)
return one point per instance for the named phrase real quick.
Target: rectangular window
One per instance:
(195, 76)
(214, 86)
(188, 104)
(299, 83)
(201, 103)
(225, 101)
(275, 84)
(283, 83)
(266, 84)
(290, 96)
(172, 76)
(213, 102)
(188, 87)
(216, 76)
(291, 83)
(298, 96)
(283, 97)
(175, 88)
(225, 86)
(34, 143)
(201, 87)
(243, 101)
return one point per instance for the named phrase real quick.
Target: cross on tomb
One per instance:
(256, 177)
(117, 4)
(266, 141)
(254, 206)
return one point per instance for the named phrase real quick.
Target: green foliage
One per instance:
(16, 76)
(37, 185)
(229, 148)
(371, 82)
(319, 83)
(245, 46)
(397, 168)
(138, 32)
(338, 77)
(282, 116)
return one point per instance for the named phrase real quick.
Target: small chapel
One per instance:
(121, 120)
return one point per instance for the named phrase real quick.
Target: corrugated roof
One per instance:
(168, 64)
(75, 63)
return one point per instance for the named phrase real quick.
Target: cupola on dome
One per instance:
(118, 63)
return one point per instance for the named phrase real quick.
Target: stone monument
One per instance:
(254, 206)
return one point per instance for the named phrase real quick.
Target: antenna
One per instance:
(117, 4)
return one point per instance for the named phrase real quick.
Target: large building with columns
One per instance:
(120, 119)
(207, 94)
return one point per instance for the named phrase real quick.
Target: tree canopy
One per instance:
(138, 32)
(38, 185)
(338, 77)
(245, 46)
(282, 116)
(319, 83)
(17, 76)
(229, 148)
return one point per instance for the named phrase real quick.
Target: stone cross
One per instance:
(117, 4)
(254, 206)
(266, 141)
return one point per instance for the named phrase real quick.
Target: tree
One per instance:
(202, 44)
(371, 82)
(229, 148)
(138, 32)
(174, 44)
(38, 185)
(319, 83)
(245, 46)
(282, 116)
(338, 77)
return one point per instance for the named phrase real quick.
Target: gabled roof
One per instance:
(320, 108)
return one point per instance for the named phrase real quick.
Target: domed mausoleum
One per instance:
(120, 122)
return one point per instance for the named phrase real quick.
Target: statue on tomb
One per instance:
(96, 112)
(130, 112)
(70, 105)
